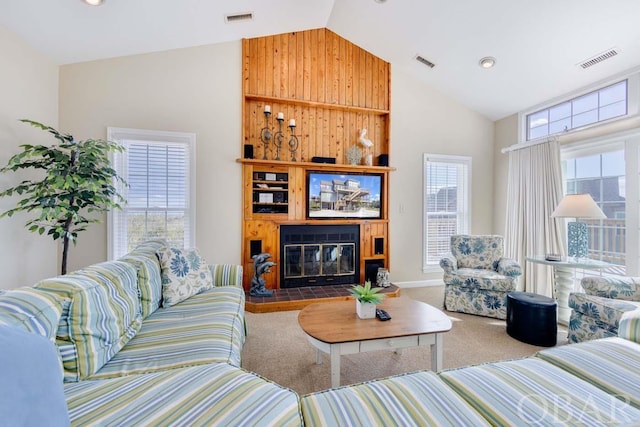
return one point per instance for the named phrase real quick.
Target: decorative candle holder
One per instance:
(293, 142)
(265, 133)
(278, 137)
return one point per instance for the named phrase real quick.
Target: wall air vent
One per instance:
(239, 17)
(425, 61)
(599, 58)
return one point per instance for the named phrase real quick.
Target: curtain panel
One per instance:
(534, 190)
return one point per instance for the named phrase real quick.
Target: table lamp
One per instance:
(578, 206)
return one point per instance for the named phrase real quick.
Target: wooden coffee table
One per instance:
(334, 328)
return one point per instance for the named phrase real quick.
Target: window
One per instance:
(602, 175)
(159, 168)
(594, 107)
(447, 204)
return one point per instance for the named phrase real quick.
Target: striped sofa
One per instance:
(594, 383)
(127, 358)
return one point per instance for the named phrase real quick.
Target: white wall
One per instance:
(425, 121)
(199, 90)
(189, 90)
(29, 88)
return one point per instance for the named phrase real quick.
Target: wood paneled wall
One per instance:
(332, 88)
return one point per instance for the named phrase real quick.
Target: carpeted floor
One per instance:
(277, 349)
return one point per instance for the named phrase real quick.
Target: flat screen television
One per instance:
(332, 195)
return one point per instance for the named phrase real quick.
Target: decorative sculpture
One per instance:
(260, 266)
(366, 143)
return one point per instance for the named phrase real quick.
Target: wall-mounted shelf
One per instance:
(315, 104)
(318, 166)
(270, 192)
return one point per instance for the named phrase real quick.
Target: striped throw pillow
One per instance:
(32, 310)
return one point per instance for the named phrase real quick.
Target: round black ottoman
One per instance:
(532, 318)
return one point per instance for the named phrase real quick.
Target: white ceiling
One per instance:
(537, 43)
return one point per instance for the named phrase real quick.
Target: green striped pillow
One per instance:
(104, 314)
(226, 274)
(630, 326)
(149, 282)
(33, 310)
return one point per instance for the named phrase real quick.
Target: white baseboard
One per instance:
(420, 283)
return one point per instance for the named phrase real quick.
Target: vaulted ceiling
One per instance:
(538, 44)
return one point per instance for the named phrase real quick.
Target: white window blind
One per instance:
(446, 204)
(158, 166)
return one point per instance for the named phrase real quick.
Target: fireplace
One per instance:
(316, 255)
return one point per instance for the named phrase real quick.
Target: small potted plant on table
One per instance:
(366, 299)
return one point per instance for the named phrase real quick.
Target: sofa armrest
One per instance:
(226, 274)
(615, 287)
(509, 267)
(629, 328)
(449, 264)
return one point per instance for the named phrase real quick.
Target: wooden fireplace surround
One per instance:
(333, 89)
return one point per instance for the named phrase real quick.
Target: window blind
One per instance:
(446, 204)
(158, 194)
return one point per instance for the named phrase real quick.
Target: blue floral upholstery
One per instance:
(477, 277)
(598, 311)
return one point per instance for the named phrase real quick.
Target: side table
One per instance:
(563, 272)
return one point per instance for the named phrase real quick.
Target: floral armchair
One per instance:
(477, 277)
(598, 311)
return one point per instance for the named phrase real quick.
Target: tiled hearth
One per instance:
(297, 298)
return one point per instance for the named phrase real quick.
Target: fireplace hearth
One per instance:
(317, 255)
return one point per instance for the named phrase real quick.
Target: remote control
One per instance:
(382, 315)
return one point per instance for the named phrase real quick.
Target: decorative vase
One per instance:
(365, 310)
(382, 278)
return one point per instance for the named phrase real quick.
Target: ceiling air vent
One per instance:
(599, 58)
(239, 17)
(425, 61)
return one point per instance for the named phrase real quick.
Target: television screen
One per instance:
(342, 195)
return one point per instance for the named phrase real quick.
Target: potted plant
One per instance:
(74, 181)
(366, 299)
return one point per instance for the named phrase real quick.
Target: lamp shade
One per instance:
(578, 206)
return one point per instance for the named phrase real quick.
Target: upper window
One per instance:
(447, 204)
(158, 167)
(597, 106)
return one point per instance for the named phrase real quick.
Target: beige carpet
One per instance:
(277, 349)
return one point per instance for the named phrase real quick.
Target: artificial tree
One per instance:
(78, 181)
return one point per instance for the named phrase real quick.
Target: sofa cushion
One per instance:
(419, 398)
(206, 328)
(104, 314)
(488, 280)
(475, 301)
(33, 310)
(618, 287)
(611, 364)
(584, 328)
(31, 392)
(534, 392)
(630, 326)
(149, 281)
(604, 310)
(482, 252)
(216, 394)
(226, 274)
(184, 273)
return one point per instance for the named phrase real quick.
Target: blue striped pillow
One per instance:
(32, 310)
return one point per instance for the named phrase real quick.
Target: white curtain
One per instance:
(534, 190)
